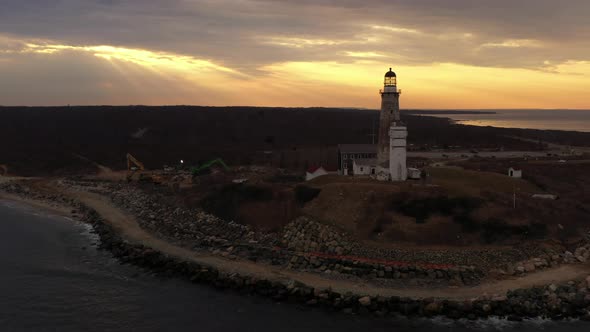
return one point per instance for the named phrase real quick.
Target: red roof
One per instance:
(313, 169)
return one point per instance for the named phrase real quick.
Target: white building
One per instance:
(414, 173)
(364, 167)
(398, 170)
(348, 153)
(515, 173)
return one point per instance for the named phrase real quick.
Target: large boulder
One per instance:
(365, 301)
(529, 267)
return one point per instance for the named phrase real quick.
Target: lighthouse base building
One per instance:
(398, 170)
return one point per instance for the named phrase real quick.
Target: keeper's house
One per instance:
(363, 154)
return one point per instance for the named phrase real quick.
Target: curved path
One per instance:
(130, 229)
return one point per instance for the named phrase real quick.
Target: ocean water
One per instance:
(571, 120)
(53, 278)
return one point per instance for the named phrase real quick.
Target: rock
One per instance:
(529, 267)
(499, 298)
(588, 282)
(365, 301)
(520, 269)
(487, 308)
(552, 288)
(510, 269)
(432, 308)
(581, 259)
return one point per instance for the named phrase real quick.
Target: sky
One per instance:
(452, 54)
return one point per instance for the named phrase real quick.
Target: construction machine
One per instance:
(133, 166)
(206, 167)
(136, 166)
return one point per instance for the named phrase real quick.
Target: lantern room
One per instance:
(390, 78)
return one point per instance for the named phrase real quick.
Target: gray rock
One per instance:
(529, 267)
(365, 301)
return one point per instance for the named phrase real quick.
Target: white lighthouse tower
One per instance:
(391, 150)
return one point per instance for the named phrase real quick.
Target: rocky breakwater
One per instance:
(581, 255)
(324, 249)
(191, 228)
(306, 235)
(553, 301)
(51, 200)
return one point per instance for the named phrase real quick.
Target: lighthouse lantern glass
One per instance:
(390, 81)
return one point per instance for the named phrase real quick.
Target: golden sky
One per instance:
(317, 53)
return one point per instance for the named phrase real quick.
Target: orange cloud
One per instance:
(319, 83)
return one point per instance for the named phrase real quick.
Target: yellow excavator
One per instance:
(135, 166)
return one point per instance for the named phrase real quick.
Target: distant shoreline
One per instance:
(444, 112)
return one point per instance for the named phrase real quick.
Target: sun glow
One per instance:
(137, 56)
(354, 81)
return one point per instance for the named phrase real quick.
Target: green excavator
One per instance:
(206, 167)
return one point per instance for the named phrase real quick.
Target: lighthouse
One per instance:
(391, 147)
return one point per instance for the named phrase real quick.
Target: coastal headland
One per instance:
(467, 242)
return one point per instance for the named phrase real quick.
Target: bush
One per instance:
(467, 223)
(421, 209)
(495, 230)
(304, 194)
(224, 203)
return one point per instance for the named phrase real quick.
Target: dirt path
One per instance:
(129, 228)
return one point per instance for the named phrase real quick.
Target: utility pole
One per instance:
(514, 196)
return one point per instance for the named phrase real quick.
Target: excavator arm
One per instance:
(133, 162)
(133, 166)
(198, 170)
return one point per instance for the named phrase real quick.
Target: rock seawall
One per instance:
(552, 301)
(557, 302)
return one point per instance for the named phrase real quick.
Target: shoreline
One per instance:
(126, 242)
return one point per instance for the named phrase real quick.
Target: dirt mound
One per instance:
(264, 206)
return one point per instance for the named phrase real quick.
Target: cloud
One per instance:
(514, 43)
(193, 41)
(246, 34)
